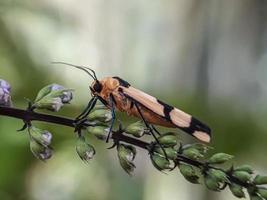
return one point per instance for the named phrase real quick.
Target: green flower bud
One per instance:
(102, 115)
(260, 180)
(5, 98)
(160, 162)
(255, 197)
(245, 168)
(43, 137)
(85, 151)
(193, 153)
(189, 173)
(262, 192)
(202, 148)
(168, 139)
(52, 97)
(242, 176)
(100, 132)
(220, 158)
(212, 183)
(237, 190)
(218, 175)
(126, 155)
(136, 129)
(171, 153)
(39, 151)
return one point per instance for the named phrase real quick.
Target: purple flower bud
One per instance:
(5, 98)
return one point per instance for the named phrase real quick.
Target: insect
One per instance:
(118, 94)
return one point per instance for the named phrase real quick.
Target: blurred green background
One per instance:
(206, 57)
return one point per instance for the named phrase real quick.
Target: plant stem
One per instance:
(28, 116)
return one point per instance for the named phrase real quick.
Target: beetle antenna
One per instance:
(85, 69)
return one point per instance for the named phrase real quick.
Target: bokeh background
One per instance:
(206, 57)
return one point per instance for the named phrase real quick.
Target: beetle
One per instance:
(117, 94)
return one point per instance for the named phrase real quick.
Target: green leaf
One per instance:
(220, 158)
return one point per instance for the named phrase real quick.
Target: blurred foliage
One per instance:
(236, 130)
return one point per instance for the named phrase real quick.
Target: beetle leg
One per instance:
(113, 116)
(151, 129)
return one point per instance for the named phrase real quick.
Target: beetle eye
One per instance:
(97, 87)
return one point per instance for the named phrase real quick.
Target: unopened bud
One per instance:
(102, 115)
(85, 151)
(101, 132)
(260, 180)
(40, 151)
(52, 97)
(126, 155)
(220, 158)
(136, 129)
(5, 98)
(263, 192)
(255, 197)
(211, 183)
(160, 162)
(170, 152)
(202, 148)
(237, 190)
(242, 176)
(168, 139)
(217, 175)
(192, 153)
(43, 137)
(189, 173)
(245, 168)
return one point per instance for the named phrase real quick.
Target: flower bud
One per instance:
(193, 153)
(260, 180)
(126, 155)
(237, 190)
(217, 175)
(5, 98)
(170, 152)
(160, 162)
(136, 129)
(245, 168)
(263, 192)
(242, 176)
(52, 97)
(85, 151)
(211, 183)
(220, 158)
(42, 137)
(100, 132)
(202, 148)
(255, 197)
(102, 115)
(39, 151)
(189, 173)
(168, 139)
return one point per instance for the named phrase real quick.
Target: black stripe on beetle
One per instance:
(122, 82)
(196, 125)
(166, 109)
